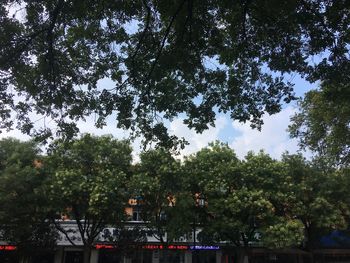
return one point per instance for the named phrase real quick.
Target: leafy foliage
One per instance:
(284, 234)
(88, 183)
(257, 200)
(323, 125)
(158, 184)
(244, 198)
(23, 206)
(318, 198)
(187, 57)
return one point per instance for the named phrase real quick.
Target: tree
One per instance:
(184, 57)
(158, 184)
(244, 200)
(320, 198)
(88, 183)
(323, 125)
(210, 173)
(23, 205)
(268, 176)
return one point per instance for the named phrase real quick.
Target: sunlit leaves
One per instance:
(323, 124)
(166, 59)
(88, 182)
(158, 183)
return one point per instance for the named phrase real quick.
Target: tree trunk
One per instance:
(87, 254)
(24, 259)
(242, 256)
(299, 259)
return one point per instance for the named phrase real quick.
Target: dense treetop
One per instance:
(23, 204)
(323, 126)
(165, 58)
(158, 184)
(87, 182)
(258, 200)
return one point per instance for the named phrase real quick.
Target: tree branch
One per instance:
(63, 231)
(79, 224)
(96, 230)
(244, 17)
(50, 41)
(143, 34)
(138, 47)
(165, 37)
(86, 226)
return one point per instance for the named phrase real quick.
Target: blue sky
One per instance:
(273, 137)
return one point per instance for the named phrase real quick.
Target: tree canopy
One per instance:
(245, 199)
(158, 182)
(88, 183)
(254, 201)
(24, 209)
(165, 58)
(323, 125)
(313, 194)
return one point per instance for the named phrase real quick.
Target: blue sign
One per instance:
(204, 247)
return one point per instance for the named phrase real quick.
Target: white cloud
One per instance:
(197, 141)
(15, 134)
(17, 11)
(88, 126)
(273, 137)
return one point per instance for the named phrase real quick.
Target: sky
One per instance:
(273, 137)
